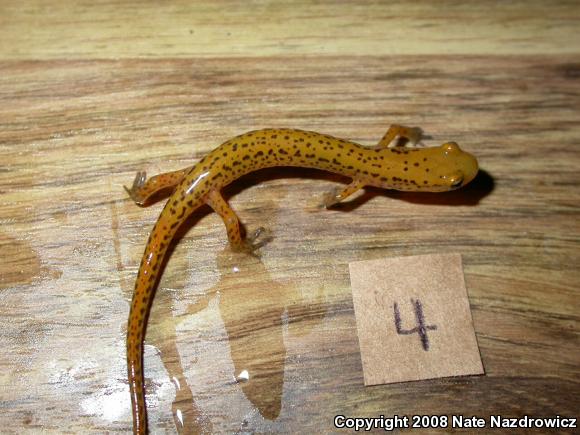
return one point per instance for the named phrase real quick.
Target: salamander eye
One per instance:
(450, 147)
(457, 182)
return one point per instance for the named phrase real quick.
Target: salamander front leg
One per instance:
(216, 201)
(412, 134)
(144, 189)
(338, 194)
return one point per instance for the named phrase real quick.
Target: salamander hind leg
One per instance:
(143, 189)
(233, 227)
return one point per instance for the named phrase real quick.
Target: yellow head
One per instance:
(437, 169)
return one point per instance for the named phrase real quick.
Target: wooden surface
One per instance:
(80, 113)
(40, 29)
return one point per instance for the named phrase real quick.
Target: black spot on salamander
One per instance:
(225, 154)
(274, 136)
(416, 164)
(236, 163)
(174, 224)
(376, 165)
(384, 179)
(336, 162)
(396, 179)
(297, 154)
(270, 151)
(226, 168)
(424, 159)
(246, 157)
(310, 156)
(244, 145)
(426, 169)
(286, 137)
(235, 147)
(308, 144)
(322, 159)
(405, 169)
(321, 141)
(258, 154)
(182, 213)
(190, 203)
(350, 167)
(282, 151)
(366, 172)
(425, 182)
(172, 210)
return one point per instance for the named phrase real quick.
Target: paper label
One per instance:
(413, 319)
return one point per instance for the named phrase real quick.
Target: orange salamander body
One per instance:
(435, 169)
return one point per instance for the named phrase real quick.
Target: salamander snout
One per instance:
(462, 165)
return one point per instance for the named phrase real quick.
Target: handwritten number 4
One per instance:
(421, 328)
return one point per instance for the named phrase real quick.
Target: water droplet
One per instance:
(243, 376)
(179, 416)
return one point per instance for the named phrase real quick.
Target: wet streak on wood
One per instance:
(74, 132)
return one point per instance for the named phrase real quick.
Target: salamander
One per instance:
(435, 169)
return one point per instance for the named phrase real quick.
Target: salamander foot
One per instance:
(136, 191)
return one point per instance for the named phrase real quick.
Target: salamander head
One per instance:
(450, 168)
(437, 169)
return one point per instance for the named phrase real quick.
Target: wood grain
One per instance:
(73, 132)
(37, 29)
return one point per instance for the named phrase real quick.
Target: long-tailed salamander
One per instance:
(435, 169)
